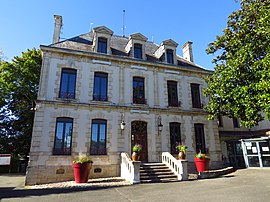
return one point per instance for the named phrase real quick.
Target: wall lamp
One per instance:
(122, 124)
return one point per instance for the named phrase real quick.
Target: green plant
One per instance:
(83, 158)
(137, 148)
(182, 148)
(201, 156)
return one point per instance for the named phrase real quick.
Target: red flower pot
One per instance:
(202, 164)
(81, 172)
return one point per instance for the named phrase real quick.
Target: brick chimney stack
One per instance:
(187, 51)
(57, 28)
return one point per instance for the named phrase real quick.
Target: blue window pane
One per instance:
(63, 136)
(100, 86)
(68, 84)
(98, 139)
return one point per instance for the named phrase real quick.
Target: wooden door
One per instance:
(139, 136)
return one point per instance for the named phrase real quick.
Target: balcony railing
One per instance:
(139, 100)
(98, 151)
(62, 151)
(102, 98)
(67, 95)
(174, 103)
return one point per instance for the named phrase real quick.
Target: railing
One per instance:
(179, 167)
(130, 170)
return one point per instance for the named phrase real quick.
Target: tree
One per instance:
(18, 91)
(240, 86)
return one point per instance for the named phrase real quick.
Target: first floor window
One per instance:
(138, 90)
(63, 136)
(175, 136)
(195, 95)
(199, 137)
(236, 123)
(98, 137)
(100, 86)
(68, 84)
(172, 93)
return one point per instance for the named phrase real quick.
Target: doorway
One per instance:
(139, 136)
(256, 152)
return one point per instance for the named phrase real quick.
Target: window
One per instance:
(137, 51)
(195, 95)
(175, 136)
(100, 86)
(102, 45)
(172, 93)
(138, 90)
(236, 123)
(170, 56)
(199, 137)
(63, 136)
(98, 138)
(68, 84)
(220, 121)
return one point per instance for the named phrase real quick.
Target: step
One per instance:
(160, 180)
(158, 177)
(156, 173)
(155, 170)
(153, 164)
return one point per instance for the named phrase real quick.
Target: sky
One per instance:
(28, 24)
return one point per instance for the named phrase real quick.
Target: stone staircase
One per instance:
(156, 172)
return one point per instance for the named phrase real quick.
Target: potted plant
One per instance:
(81, 167)
(182, 151)
(201, 162)
(136, 150)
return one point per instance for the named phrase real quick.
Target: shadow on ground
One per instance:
(11, 192)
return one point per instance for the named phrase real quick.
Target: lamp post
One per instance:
(160, 126)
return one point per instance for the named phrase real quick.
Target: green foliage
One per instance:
(18, 91)
(83, 158)
(137, 148)
(201, 156)
(182, 148)
(240, 85)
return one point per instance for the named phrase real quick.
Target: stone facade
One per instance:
(121, 69)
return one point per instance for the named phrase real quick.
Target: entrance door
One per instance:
(256, 153)
(139, 136)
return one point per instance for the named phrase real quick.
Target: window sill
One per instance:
(100, 102)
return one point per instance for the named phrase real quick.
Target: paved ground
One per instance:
(243, 185)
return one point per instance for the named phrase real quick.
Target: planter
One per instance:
(135, 156)
(81, 172)
(202, 164)
(181, 155)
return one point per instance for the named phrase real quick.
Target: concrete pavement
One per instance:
(243, 185)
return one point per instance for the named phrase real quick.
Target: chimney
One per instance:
(187, 51)
(57, 28)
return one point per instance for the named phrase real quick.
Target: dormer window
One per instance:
(102, 45)
(169, 53)
(137, 51)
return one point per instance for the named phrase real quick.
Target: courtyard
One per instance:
(242, 185)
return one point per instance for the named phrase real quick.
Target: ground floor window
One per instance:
(98, 137)
(63, 136)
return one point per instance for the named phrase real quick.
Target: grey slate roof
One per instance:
(84, 42)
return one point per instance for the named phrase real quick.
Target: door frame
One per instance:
(145, 145)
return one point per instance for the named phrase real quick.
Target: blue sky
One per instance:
(29, 23)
